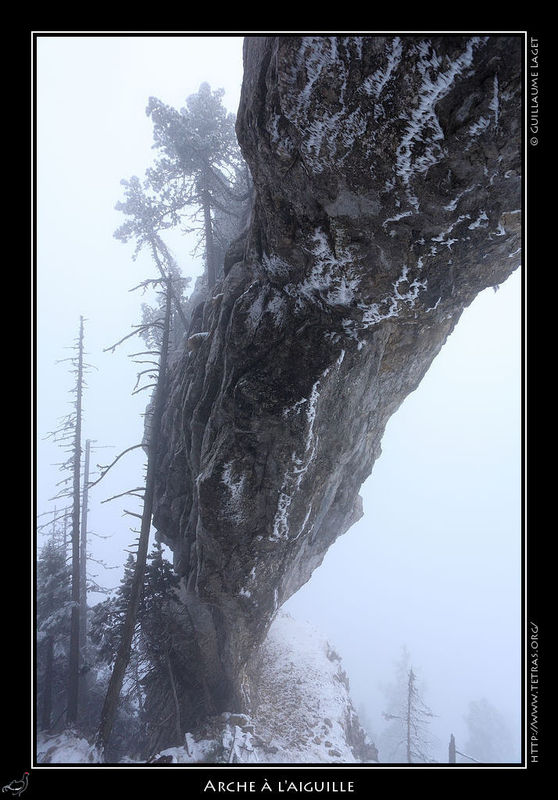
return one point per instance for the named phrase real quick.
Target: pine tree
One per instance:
(161, 633)
(53, 628)
(200, 162)
(201, 168)
(107, 617)
(83, 550)
(155, 636)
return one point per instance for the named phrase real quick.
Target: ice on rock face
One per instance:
(494, 104)
(374, 84)
(299, 463)
(235, 486)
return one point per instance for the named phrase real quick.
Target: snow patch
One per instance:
(478, 222)
(500, 231)
(66, 747)
(275, 266)
(390, 306)
(305, 706)
(396, 218)
(232, 744)
(453, 204)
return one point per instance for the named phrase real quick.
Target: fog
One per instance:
(435, 562)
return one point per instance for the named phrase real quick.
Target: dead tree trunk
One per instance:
(110, 705)
(73, 680)
(409, 707)
(209, 248)
(83, 550)
(177, 720)
(451, 758)
(46, 710)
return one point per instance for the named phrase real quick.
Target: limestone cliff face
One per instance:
(387, 195)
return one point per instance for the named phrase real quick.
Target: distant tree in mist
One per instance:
(69, 435)
(490, 739)
(406, 737)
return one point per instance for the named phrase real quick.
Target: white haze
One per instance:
(435, 564)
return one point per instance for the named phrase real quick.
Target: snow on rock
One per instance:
(227, 739)
(67, 747)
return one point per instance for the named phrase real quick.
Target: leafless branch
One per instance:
(139, 329)
(132, 492)
(109, 466)
(143, 388)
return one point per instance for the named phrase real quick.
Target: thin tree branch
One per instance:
(109, 466)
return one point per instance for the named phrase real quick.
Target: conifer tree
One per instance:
(53, 627)
(200, 168)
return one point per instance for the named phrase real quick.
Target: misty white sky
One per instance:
(435, 564)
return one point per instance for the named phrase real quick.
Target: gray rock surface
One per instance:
(387, 195)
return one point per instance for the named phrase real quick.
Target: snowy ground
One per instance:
(304, 707)
(302, 712)
(66, 747)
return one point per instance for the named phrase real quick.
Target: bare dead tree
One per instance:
(413, 718)
(110, 704)
(73, 681)
(83, 548)
(69, 436)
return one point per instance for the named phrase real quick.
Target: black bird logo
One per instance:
(17, 787)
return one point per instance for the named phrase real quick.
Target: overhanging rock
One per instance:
(387, 195)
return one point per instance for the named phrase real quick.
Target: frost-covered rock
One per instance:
(387, 187)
